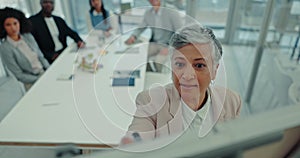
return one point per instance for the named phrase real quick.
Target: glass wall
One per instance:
(17, 4)
(234, 21)
(79, 21)
(267, 59)
(279, 72)
(213, 14)
(247, 17)
(238, 23)
(31, 7)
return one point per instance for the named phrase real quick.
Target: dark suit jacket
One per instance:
(43, 37)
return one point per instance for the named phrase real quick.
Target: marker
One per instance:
(136, 137)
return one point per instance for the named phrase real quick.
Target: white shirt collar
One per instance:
(13, 42)
(95, 13)
(156, 13)
(189, 114)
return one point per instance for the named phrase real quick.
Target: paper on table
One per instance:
(128, 81)
(65, 77)
(126, 73)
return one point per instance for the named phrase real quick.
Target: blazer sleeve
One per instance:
(233, 104)
(68, 31)
(43, 61)
(13, 66)
(21, 85)
(143, 122)
(236, 103)
(239, 106)
(11, 91)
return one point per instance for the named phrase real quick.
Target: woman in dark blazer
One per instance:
(19, 50)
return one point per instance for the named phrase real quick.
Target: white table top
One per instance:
(86, 111)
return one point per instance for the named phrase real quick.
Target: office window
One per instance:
(79, 21)
(17, 4)
(213, 14)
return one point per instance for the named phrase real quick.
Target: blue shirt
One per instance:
(99, 22)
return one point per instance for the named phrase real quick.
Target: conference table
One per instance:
(71, 105)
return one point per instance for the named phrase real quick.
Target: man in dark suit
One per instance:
(50, 32)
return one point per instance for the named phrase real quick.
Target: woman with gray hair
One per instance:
(191, 101)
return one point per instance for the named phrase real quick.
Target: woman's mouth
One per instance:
(188, 86)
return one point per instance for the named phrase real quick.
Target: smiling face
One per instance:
(12, 27)
(193, 71)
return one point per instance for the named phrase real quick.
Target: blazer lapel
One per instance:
(175, 125)
(29, 42)
(19, 56)
(171, 120)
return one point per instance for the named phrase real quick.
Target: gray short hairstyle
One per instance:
(195, 33)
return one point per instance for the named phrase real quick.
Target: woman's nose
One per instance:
(189, 73)
(14, 28)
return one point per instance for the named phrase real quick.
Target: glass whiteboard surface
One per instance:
(230, 140)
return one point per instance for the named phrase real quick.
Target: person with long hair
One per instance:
(98, 16)
(19, 50)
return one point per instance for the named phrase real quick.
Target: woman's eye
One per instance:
(179, 64)
(199, 66)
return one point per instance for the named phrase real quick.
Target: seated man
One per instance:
(50, 32)
(163, 23)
